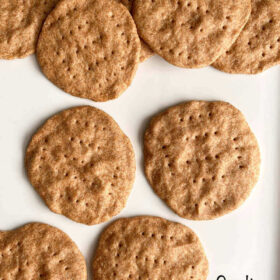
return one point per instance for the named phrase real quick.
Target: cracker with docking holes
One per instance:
(149, 248)
(40, 251)
(201, 158)
(90, 48)
(258, 46)
(82, 165)
(190, 34)
(146, 51)
(20, 25)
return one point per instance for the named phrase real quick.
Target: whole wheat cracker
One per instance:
(190, 34)
(40, 251)
(82, 165)
(201, 158)
(258, 46)
(146, 51)
(20, 24)
(149, 248)
(89, 48)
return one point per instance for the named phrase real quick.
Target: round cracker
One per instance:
(258, 46)
(146, 51)
(149, 248)
(89, 48)
(20, 24)
(190, 34)
(82, 165)
(201, 158)
(39, 251)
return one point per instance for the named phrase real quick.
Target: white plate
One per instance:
(245, 242)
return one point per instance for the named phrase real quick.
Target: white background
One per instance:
(245, 242)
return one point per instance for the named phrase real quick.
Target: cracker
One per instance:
(190, 34)
(149, 248)
(39, 251)
(146, 51)
(82, 165)
(20, 24)
(89, 48)
(201, 158)
(258, 46)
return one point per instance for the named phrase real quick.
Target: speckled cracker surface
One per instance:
(146, 51)
(190, 34)
(201, 158)
(149, 248)
(39, 251)
(20, 24)
(258, 46)
(89, 48)
(82, 165)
